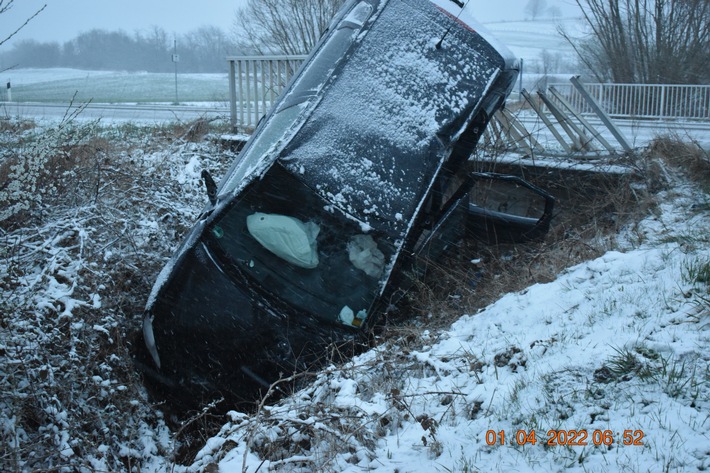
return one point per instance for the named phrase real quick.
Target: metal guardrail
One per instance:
(660, 101)
(255, 82)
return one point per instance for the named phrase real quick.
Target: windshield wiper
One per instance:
(210, 185)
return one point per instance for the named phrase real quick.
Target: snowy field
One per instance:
(540, 45)
(61, 85)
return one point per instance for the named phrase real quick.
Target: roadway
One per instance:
(139, 113)
(637, 132)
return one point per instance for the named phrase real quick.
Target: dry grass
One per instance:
(15, 127)
(193, 131)
(590, 210)
(75, 272)
(684, 155)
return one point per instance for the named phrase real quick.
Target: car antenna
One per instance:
(462, 5)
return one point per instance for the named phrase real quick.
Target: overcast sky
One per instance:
(63, 20)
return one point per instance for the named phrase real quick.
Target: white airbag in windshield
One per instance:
(365, 256)
(286, 237)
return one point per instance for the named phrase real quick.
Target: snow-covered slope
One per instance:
(604, 369)
(613, 346)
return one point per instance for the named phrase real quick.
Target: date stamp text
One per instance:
(567, 438)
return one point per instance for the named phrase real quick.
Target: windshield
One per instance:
(281, 236)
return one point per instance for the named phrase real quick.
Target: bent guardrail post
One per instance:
(588, 126)
(546, 120)
(579, 141)
(517, 133)
(515, 137)
(601, 114)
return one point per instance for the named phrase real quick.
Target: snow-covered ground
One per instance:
(604, 369)
(614, 349)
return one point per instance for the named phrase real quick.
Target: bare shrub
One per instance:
(44, 166)
(76, 267)
(646, 41)
(6, 6)
(192, 131)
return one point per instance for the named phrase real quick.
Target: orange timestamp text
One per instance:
(569, 438)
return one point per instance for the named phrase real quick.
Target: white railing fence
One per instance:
(648, 101)
(255, 82)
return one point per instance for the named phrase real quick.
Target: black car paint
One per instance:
(210, 325)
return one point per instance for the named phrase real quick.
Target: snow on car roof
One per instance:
(378, 136)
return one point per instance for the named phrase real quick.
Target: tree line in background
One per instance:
(630, 41)
(261, 27)
(202, 50)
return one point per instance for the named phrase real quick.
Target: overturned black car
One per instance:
(356, 171)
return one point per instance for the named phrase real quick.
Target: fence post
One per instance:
(232, 96)
(241, 93)
(248, 98)
(663, 101)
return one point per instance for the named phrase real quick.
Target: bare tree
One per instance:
(5, 6)
(283, 26)
(647, 41)
(206, 48)
(535, 8)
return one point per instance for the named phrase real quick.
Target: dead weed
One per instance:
(591, 208)
(683, 154)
